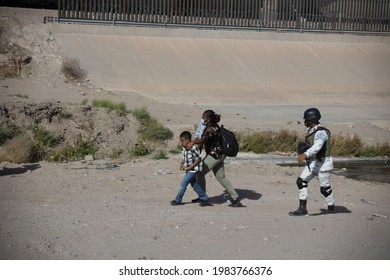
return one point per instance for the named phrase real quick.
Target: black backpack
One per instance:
(228, 142)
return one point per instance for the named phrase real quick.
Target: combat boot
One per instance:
(301, 211)
(331, 209)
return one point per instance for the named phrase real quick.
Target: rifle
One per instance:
(303, 147)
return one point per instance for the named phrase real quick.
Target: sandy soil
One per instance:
(112, 210)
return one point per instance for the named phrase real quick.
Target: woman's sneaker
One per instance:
(236, 203)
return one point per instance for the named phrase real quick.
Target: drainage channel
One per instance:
(363, 169)
(373, 170)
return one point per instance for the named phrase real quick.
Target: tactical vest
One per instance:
(325, 150)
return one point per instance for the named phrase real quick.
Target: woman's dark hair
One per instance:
(214, 118)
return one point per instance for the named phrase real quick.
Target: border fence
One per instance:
(371, 16)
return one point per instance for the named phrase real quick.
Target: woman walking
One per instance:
(214, 159)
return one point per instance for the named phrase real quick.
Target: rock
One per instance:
(89, 159)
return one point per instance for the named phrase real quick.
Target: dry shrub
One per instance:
(7, 71)
(17, 150)
(14, 66)
(346, 146)
(384, 150)
(268, 141)
(71, 69)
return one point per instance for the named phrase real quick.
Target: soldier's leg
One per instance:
(326, 189)
(302, 184)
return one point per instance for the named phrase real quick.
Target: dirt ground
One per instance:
(120, 210)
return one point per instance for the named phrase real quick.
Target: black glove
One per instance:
(302, 147)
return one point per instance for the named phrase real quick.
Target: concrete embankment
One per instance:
(206, 66)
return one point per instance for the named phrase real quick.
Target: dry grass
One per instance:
(17, 150)
(268, 141)
(287, 142)
(7, 71)
(72, 70)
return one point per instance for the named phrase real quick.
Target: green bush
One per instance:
(376, 150)
(150, 128)
(139, 149)
(84, 101)
(286, 141)
(44, 136)
(116, 153)
(80, 149)
(155, 132)
(43, 140)
(160, 154)
(64, 115)
(269, 141)
(104, 103)
(7, 133)
(141, 114)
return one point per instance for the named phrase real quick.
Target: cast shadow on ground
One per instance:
(338, 210)
(244, 194)
(19, 170)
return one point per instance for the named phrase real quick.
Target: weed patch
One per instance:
(80, 149)
(120, 107)
(21, 95)
(141, 114)
(17, 150)
(268, 141)
(346, 146)
(160, 154)
(43, 140)
(84, 101)
(65, 115)
(7, 132)
(139, 149)
(116, 153)
(287, 142)
(151, 129)
(71, 69)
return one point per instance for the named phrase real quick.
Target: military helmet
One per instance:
(311, 115)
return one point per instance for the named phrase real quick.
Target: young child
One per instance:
(191, 162)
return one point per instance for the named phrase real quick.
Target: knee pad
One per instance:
(301, 183)
(326, 191)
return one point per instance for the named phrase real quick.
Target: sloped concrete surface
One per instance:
(206, 66)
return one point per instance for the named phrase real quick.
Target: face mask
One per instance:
(203, 122)
(308, 123)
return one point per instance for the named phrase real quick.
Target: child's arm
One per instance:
(192, 166)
